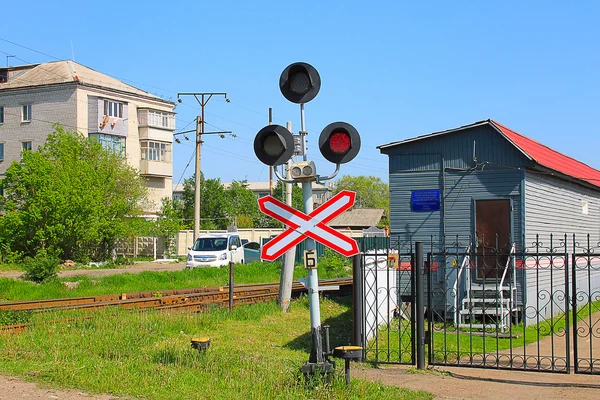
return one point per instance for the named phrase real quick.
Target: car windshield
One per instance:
(210, 244)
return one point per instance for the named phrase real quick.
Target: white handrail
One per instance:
(510, 256)
(465, 262)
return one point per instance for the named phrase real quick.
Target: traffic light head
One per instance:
(339, 142)
(300, 83)
(274, 145)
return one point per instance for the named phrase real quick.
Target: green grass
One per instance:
(449, 342)
(256, 272)
(256, 353)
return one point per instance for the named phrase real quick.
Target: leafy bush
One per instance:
(334, 264)
(43, 267)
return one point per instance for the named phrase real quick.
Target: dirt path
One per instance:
(17, 389)
(138, 267)
(472, 383)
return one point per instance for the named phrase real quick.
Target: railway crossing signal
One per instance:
(302, 226)
(339, 142)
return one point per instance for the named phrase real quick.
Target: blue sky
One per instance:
(393, 69)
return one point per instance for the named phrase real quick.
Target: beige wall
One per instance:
(158, 187)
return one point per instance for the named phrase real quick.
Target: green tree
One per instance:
(71, 198)
(167, 224)
(297, 200)
(371, 192)
(213, 203)
(241, 205)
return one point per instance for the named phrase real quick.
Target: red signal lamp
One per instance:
(339, 142)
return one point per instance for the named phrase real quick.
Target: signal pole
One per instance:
(203, 101)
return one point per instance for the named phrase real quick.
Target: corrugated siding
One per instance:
(461, 188)
(554, 206)
(457, 150)
(418, 225)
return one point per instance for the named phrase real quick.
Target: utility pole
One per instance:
(203, 101)
(271, 168)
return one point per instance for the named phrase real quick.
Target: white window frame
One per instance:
(1, 152)
(23, 145)
(1, 115)
(26, 113)
(156, 151)
(113, 108)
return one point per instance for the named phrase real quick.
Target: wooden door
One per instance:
(493, 231)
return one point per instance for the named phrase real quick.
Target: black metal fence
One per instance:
(488, 304)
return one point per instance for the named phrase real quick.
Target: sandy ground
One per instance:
(133, 269)
(445, 383)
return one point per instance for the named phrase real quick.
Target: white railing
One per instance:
(465, 263)
(501, 287)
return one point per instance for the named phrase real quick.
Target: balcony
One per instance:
(156, 125)
(155, 168)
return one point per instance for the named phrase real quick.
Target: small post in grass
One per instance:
(231, 264)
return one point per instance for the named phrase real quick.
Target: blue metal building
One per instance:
(488, 186)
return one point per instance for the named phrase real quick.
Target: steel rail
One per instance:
(197, 299)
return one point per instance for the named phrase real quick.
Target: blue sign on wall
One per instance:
(425, 200)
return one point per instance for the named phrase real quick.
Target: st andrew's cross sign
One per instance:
(301, 226)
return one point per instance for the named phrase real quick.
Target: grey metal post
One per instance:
(420, 305)
(357, 302)
(231, 264)
(287, 268)
(316, 355)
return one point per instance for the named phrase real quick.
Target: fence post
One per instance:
(420, 305)
(357, 302)
(231, 264)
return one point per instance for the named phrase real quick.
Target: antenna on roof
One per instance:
(474, 154)
(72, 52)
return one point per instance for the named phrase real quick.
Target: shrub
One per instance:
(333, 263)
(43, 267)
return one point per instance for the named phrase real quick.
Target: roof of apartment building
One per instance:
(63, 72)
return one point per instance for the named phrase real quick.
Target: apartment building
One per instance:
(122, 118)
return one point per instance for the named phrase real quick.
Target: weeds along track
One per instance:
(191, 300)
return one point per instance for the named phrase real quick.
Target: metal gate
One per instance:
(536, 308)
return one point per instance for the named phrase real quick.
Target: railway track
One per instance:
(191, 300)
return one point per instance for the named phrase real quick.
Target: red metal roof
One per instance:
(549, 158)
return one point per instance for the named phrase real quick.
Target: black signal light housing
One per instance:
(339, 142)
(274, 145)
(300, 83)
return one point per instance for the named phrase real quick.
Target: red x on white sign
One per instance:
(313, 225)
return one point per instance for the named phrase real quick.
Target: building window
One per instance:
(161, 119)
(113, 109)
(156, 151)
(1, 151)
(26, 113)
(26, 146)
(110, 142)
(1, 115)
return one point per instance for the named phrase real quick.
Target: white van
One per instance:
(215, 250)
